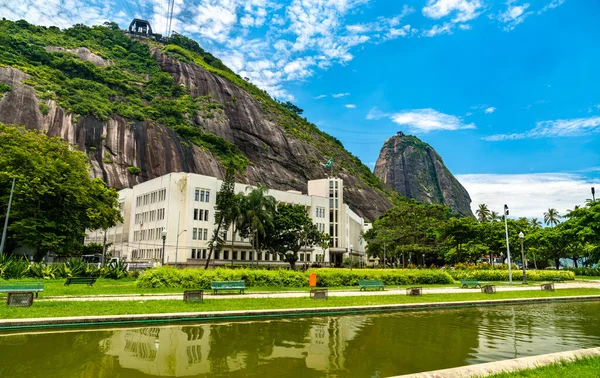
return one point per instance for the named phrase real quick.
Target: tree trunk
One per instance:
(210, 251)
(232, 240)
(557, 263)
(575, 261)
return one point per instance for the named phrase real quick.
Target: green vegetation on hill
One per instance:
(134, 86)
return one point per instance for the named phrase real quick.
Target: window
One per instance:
(250, 255)
(226, 255)
(302, 257)
(331, 184)
(195, 214)
(243, 255)
(207, 194)
(317, 212)
(217, 255)
(195, 234)
(206, 215)
(205, 234)
(331, 193)
(331, 203)
(197, 195)
(259, 256)
(336, 184)
(204, 254)
(193, 253)
(336, 203)
(308, 257)
(235, 255)
(202, 196)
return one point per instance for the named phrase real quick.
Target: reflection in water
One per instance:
(374, 345)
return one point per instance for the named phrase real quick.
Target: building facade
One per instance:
(181, 207)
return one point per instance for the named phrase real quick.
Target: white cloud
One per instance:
(553, 129)
(551, 5)
(439, 29)
(527, 195)
(422, 120)
(489, 110)
(462, 10)
(350, 106)
(320, 97)
(513, 15)
(338, 95)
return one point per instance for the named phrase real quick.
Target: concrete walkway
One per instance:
(299, 294)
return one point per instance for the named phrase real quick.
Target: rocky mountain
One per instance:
(141, 108)
(414, 169)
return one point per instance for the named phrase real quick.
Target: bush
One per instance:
(594, 272)
(134, 170)
(200, 279)
(502, 275)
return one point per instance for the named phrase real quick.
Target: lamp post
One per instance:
(177, 244)
(423, 260)
(522, 236)
(593, 194)
(507, 245)
(351, 259)
(214, 244)
(164, 238)
(12, 189)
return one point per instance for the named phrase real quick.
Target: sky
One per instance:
(506, 91)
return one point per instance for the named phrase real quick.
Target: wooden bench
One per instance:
(80, 281)
(22, 287)
(557, 279)
(366, 284)
(466, 283)
(228, 285)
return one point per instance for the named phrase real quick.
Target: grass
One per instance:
(583, 368)
(588, 278)
(105, 286)
(42, 308)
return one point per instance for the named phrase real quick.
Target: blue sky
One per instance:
(506, 91)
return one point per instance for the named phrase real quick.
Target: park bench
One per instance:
(469, 282)
(228, 285)
(557, 279)
(80, 281)
(22, 287)
(366, 284)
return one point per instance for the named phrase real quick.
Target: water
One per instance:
(374, 345)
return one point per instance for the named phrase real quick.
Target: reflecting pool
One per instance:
(374, 345)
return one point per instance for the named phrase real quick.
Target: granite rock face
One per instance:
(277, 159)
(415, 170)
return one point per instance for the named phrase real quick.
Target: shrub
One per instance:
(586, 271)
(134, 170)
(44, 108)
(4, 88)
(199, 278)
(502, 275)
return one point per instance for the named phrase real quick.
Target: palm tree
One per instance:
(483, 213)
(535, 223)
(259, 209)
(552, 217)
(236, 217)
(494, 216)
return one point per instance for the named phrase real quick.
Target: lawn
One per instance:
(105, 286)
(43, 308)
(583, 368)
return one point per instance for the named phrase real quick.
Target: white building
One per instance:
(182, 205)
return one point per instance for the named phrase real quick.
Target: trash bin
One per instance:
(312, 281)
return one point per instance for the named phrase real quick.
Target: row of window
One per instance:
(321, 227)
(150, 198)
(202, 254)
(150, 234)
(320, 212)
(202, 195)
(201, 215)
(333, 203)
(146, 254)
(200, 234)
(150, 216)
(331, 184)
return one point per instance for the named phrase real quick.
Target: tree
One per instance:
(292, 229)
(55, 199)
(495, 217)
(259, 208)
(551, 217)
(236, 217)
(535, 223)
(585, 224)
(292, 107)
(483, 213)
(552, 243)
(225, 203)
(459, 231)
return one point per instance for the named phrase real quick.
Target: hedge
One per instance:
(593, 272)
(502, 275)
(200, 279)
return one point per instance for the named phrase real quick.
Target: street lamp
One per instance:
(214, 244)
(507, 245)
(177, 246)
(522, 236)
(164, 238)
(593, 194)
(351, 259)
(423, 260)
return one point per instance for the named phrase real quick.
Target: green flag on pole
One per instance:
(329, 164)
